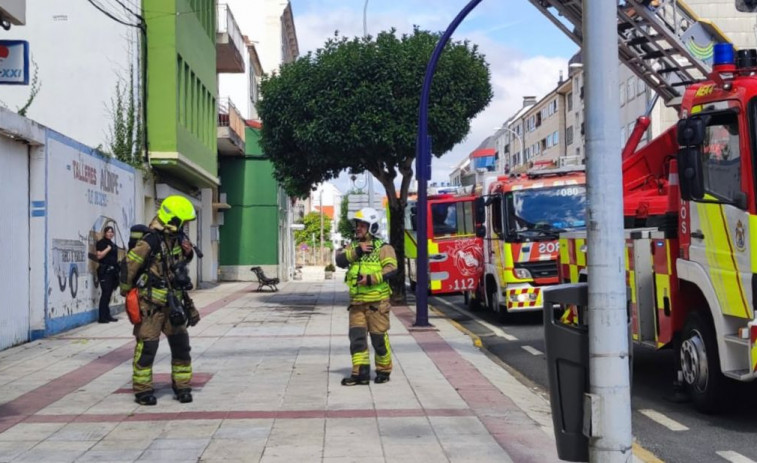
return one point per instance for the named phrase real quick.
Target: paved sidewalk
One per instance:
(267, 371)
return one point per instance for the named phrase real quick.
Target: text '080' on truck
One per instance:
(523, 216)
(690, 209)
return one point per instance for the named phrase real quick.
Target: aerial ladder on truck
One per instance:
(662, 42)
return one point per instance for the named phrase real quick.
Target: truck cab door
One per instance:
(719, 222)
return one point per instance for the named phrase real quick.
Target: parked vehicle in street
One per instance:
(524, 215)
(455, 257)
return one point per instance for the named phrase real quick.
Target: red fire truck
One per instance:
(524, 215)
(690, 206)
(454, 252)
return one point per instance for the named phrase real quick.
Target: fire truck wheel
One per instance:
(473, 303)
(700, 364)
(493, 303)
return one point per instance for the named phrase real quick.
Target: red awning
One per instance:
(483, 152)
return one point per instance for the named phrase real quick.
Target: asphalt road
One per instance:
(673, 431)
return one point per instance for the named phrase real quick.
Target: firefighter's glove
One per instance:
(193, 315)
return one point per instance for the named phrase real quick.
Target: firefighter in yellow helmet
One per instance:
(371, 263)
(157, 267)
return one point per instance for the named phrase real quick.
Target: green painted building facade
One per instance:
(181, 89)
(250, 232)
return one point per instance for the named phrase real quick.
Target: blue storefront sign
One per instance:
(14, 62)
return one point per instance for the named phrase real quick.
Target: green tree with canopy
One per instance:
(353, 105)
(311, 234)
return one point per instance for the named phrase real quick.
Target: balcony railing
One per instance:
(231, 128)
(229, 36)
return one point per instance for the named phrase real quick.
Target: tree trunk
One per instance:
(397, 240)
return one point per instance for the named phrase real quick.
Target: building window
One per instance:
(631, 87)
(569, 135)
(569, 98)
(640, 86)
(555, 138)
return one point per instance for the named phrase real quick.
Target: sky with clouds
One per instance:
(525, 51)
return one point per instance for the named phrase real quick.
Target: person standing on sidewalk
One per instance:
(371, 263)
(107, 273)
(157, 266)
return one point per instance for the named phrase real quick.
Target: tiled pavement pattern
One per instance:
(267, 388)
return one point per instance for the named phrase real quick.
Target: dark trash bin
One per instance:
(567, 347)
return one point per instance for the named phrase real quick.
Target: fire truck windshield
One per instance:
(545, 212)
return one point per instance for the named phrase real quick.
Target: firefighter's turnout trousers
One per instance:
(370, 318)
(147, 334)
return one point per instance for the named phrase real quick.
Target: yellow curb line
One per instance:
(644, 455)
(476, 340)
(639, 452)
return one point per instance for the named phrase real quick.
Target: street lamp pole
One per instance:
(368, 175)
(320, 206)
(423, 169)
(520, 141)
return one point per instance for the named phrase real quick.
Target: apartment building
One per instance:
(257, 229)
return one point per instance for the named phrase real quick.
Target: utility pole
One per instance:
(312, 237)
(320, 257)
(610, 393)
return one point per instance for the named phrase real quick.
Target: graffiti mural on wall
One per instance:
(86, 192)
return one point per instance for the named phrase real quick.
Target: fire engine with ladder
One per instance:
(690, 197)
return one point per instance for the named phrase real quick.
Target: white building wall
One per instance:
(738, 26)
(260, 21)
(78, 79)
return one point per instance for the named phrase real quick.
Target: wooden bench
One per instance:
(264, 280)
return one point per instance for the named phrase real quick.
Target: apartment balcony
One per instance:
(230, 45)
(230, 130)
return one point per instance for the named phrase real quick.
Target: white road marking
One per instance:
(669, 423)
(532, 351)
(498, 331)
(734, 457)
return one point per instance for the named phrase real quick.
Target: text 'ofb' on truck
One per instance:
(690, 208)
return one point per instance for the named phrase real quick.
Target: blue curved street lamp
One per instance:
(423, 170)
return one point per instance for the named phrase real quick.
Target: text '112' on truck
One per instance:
(690, 212)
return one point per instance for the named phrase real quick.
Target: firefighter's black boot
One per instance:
(381, 377)
(145, 398)
(183, 395)
(363, 378)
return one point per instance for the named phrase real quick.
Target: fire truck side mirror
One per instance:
(746, 6)
(690, 173)
(691, 130)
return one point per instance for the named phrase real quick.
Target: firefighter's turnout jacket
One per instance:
(369, 304)
(149, 267)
